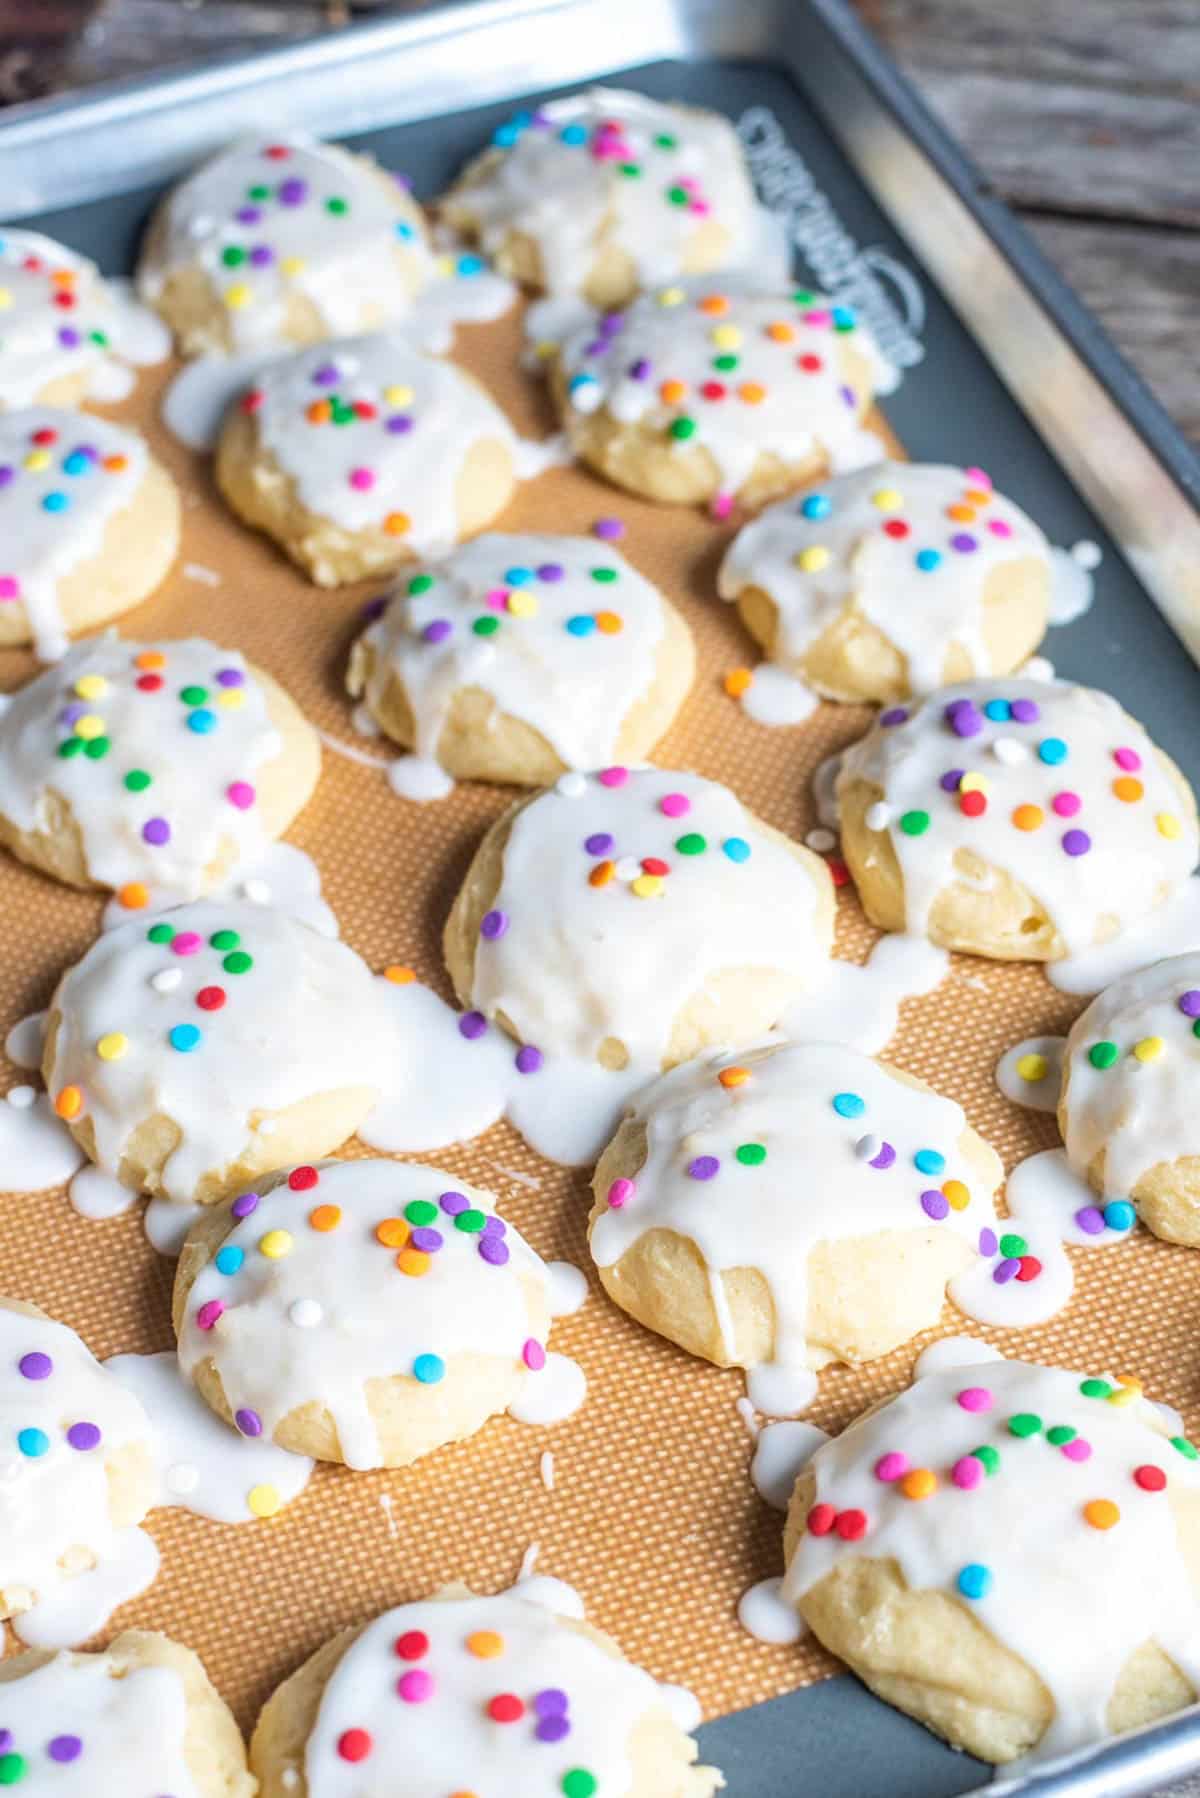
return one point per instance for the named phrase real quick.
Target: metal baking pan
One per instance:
(884, 211)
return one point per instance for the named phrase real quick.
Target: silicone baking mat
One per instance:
(652, 1514)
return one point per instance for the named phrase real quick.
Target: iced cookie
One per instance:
(140, 1718)
(520, 657)
(77, 1460)
(150, 767)
(89, 525)
(463, 1694)
(361, 455)
(279, 241)
(190, 1054)
(702, 393)
(1009, 1553)
(607, 192)
(789, 1205)
(56, 316)
(626, 920)
(1019, 819)
(1128, 1112)
(360, 1311)
(891, 581)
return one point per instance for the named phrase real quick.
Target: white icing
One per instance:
(860, 1005)
(1104, 863)
(780, 1390)
(204, 1466)
(380, 1310)
(89, 1724)
(36, 1149)
(167, 1223)
(842, 1138)
(98, 1195)
(56, 314)
(1073, 1601)
(764, 1614)
(824, 790)
(775, 697)
(782, 1452)
(1030, 1073)
(793, 411)
(571, 648)
(954, 1351)
(567, 1288)
(57, 499)
(76, 1608)
(137, 334)
(1172, 928)
(1072, 588)
(203, 754)
(303, 1019)
(556, 1394)
(26, 1042)
(447, 1732)
(283, 877)
(419, 779)
(864, 532)
(556, 177)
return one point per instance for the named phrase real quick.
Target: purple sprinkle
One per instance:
(293, 191)
(326, 375)
(609, 529)
(551, 571)
(67, 337)
(156, 831)
(230, 677)
(494, 924)
(493, 1250)
(963, 542)
(428, 1240)
(248, 215)
(964, 719)
(951, 780)
(6, 1740)
(1090, 1219)
(599, 844)
(935, 1205)
(248, 1422)
(83, 1436)
(885, 1157)
(596, 347)
(453, 1202)
(438, 631)
(987, 1241)
(495, 1226)
(551, 1702)
(639, 370)
(374, 608)
(71, 712)
(89, 450)
(243, 1206)
(35, 1366)
(611, 323)
(529, 1059)
(262, 255)
(849, 397)
(1004, 1271)
(1025, 711)
(894, 715)
(1189, 1003)
(1076, 842)
(703, 1167)
(400, 424)
(402, 181)
(472, 1024)
(64, 1749)
(552, 1729)
(6, 474)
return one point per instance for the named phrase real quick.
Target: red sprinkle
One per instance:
(839, 873)
(652, 865)
(412, 1645)
(364, 409)
(851, 1526)
(896, 527)
(973, 803)
(355, 1744)
(506, 1707)
(210, 998)
(253, 400)
(821, 1520)
(1149, 1477)
(149, 683)
(44, 436)
(810, 363)
(713, 390)
(1029, 1269)
(302, 1178)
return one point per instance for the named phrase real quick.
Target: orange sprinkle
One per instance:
(69, 1102)
(134, 895)
(325, 1217)
(1127, 788)
(601, 874)
(1101, 1513)
(397, 524)
(485, 1644)
(319, 413)
(393, 1232)
(413, 1261)
(962, 514)
(714, 304)
(920, 1483)
(956, 1195)
(671, 392)
(1028, 817)
(63, 277)
(114, 464)
(978, 496)
(399, 975)
(753, 392)
(780, 332)
(734, 1076)
(610, 623)
(150, 658)
(737, 682)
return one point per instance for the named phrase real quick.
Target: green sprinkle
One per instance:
(486, 627)
(193, 695)
(1103, 1055)
(13, 1767)
(1062, 1432)
(137, 780)
(750, 1154)
(232, 256)
(238, 963)
(1196, 1028)
(664, 141)
(337, 206)
(258, 192)
(683, 428)
(691, 844)
(1025, 1423)
(420, 583)
(914, 824)
(726, 363)
(69, 747)
(224, 939)
(604, 574)
(803, 297)
(630, 169)
(1095, 1388)
(988, 1458)
(470, 1221)
(1013, 1247)
(159, 933)
(1187, 1449)
(578, 1783)
(678, 196)
(99, 337)
(421, 1211)
(96, 748)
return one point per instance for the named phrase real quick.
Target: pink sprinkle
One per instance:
(620, 1193)
(534, 1355)
(1066, 804)
(675, 805)
(999, 528)
(613, 777)
(722, 505)
(967, 1473)
(415, 1686)
(975, 1398)
(241, 794)
(1127, 758)
(187, 942)
(977, 478)
(818, 316)
(362, 479)
(208, 1313)
(687, 182)
(497, 599)
(700, 207)
(10, 587)
(891, 1467)
(1078, 1449)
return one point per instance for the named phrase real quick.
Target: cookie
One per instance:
(791, 1204)
(78, 1460)
(365, 1312)
(891, 581)
(190, 1054)
(150, 767)
(625, 920)
(1018, 819)
(1006, 1552)
(57, 315)
(1127, 1111)
(423, 457)
(282, 241)
(703, 392)
(89, 525)
(607, 192)
(141, 1717)
(518, 658)
(494, 1695)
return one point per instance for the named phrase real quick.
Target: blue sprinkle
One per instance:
(574, 134)
(843, 316)
(928, 559)
(817, 505)
(578, 381)
(737, 849)
(202, 720)
(403, 230)
(975, 1580)
(184, 1037)
(505, 136)
(33, 1443)
(471, 265)
(1052, 750)
(928, 1161)
(518, 577)
(582, 625)
(429, 1369)
(229, 1259)
(55, 502)
(849, 1105)
(1119, 1214)
(76, 463)
(998, 710)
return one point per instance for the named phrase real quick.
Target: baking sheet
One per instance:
(652, 1514)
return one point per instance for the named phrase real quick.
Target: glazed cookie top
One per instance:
(62, 1419)
(560, 631)
(217, 1015)
(265, 219)
(612, 167)
(759, 1155)
(154, 746)
(374, 434)
(738, 373)
(351, 1272)
(63, 476)
(55, 309)
(622, 893)
(1130, 1074)
(1051, 782)
(1045, 1502)
(73, 1728)
(911, 545)
(494, 1695)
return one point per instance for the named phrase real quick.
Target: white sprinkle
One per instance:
(628, 868)
(166, 980)
(820, 839)
(182, 1478)
(1037, 668)
(257, 891)
(878, 816)
(586, 395)
(347, 365)
(1087, 553)
(306, 1314)
(201, 225)
(196, 571)
(571, 786)
(867, 1147)
(289, 1779)
(546, 1469)
(1009, 751)
(22, 1097)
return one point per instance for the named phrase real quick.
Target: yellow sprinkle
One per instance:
(1125, 1394)
(730, 1077)
(522, 604)
(112, 1046)
(485, 1644)
(813, 559)
(276, 1244)
(545, 349)
(397, 396)
(91, 686)
(737, 682)
(1033, 1068)
(291, 265)
(647, 886)
(6, 299)
(888, 499)
(671, 296)
(445, 265)
(89, 726)
(974, 783)
(1169, 825)
(36, 460)
(956, 1195)
(726, 337)
(1149, 1049)
(231, 698)
(264, 1501)
(238, 296)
